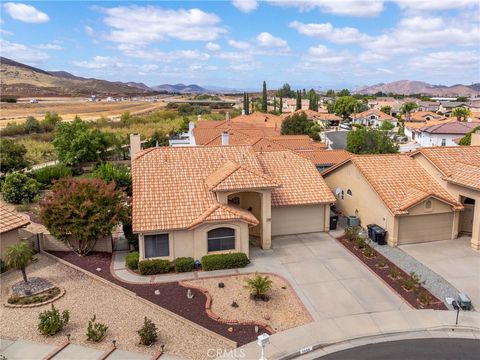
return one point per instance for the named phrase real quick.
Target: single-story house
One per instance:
(443, 134)
(193, 201)
(423, 116)
(457, 169)
(322, 118)
(395, 192)
(10, 222)
(373, 117)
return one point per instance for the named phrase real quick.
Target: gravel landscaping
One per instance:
(170, 296)
(283, 311)
(123, 314)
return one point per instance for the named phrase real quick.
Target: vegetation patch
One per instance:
(154, 266)
(35, 299)
(224, 261)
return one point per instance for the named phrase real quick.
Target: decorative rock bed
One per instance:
(36, 292)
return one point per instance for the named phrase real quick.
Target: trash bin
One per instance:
(379, 235)
(370, 232)
(333, 222)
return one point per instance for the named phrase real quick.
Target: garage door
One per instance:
(288, 220)
(423, 228)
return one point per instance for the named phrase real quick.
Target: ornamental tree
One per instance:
(461, 113)
(12, 156)
(79, 212)
(19, 256)
(370, 141)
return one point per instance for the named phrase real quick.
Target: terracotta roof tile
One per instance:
(381, 115)
(219, 212)
(325, 157)
(10, 220)
(458, 164)
(171, 191)
(423, 115)
(450, 127)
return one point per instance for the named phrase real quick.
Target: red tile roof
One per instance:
(10, 220)
(451, 127)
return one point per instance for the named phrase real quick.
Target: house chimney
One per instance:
(199, 117)
(243, 111)
(135, 145)
(225, 138)
(227, 116)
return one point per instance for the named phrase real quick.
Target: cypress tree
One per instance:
(244, 102)
(299, 101)
(280, 105)
(253, 106)
(247, 104)
(264, 97)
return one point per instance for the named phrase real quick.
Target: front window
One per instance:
(156, 245)
(221, 239)
(444, 142)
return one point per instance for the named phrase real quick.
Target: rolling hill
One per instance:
(407, 87)
(180, 88)
(21, 80)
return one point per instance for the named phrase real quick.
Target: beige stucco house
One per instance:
(193, 201)
(10, 222)
(457, 169)
(395, 192)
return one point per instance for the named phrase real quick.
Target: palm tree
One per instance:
(18, 256)
(461, 113)
(407, 108)
(259, 286)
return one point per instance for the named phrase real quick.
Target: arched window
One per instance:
(221, 239)
(349, 192)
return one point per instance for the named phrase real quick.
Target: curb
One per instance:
(62, 292)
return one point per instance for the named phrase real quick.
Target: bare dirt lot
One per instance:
(69, 108)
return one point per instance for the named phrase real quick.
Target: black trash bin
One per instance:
(379, 235)
(333, 222)
(370, 232)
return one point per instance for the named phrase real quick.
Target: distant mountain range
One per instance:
(180, 88)
(407, 87)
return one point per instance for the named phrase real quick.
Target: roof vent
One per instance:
(225, 138)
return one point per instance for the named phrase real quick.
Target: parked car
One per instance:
(346, 126)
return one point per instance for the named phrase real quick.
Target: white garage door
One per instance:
(288, 220)
(423, 228)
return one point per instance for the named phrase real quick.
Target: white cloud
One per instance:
(6, 32)
(212, 46)
(358, 8)
(245, 6)
(142, 25)
(25, 13)
(432, 5)
(22, 53)
(446, 61)
(345, 35)
(55, 45)
(321, 56)
(88, 30)
(243, 45)
(266, 39)
(158, 55)
(99, 62)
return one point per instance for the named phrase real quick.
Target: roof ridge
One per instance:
(215, 184)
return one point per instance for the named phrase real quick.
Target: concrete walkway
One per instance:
(30, 350)
(322, 337)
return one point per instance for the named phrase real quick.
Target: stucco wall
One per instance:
(6, 239)
(193, 243)
(288, 220)
(428, 140)
(50, 243)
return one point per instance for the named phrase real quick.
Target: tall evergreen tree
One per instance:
(299, 101)
(247, 104)
(274, 105)
(280, 105)
(253, 106)
(264, 97)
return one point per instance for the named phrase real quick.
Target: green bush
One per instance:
(184, 264)
(351, 233)
(224, 261)
(51, 322)
(154, 266)
(131, 261)
(120, 174)
(148, 332)
(47, 175)
(96, 331)
(3, 266)
(19, 188)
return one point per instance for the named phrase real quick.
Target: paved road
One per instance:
(421, 349)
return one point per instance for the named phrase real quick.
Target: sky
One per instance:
(238, 44)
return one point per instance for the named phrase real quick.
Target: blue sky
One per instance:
(240, 43)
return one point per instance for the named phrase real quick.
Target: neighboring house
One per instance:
(324, 119)
(428, 106)
(336, 140)
(395, 192)
(423, 116)
(184, 139)
(323, 159)
(443, 134)
(373, 118)
(446, 107)
(10, 222)
(193, 201)
(412, 129)
(457, 169)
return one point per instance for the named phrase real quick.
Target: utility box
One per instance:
(464, 301)
(353, 221)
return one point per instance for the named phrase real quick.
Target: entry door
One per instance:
(466, 222)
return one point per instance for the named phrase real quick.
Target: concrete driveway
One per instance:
(330, 281)
(454, 260)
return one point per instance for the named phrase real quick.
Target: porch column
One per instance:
(475, 242)
(266, 220)
(456, 224)
(393, 237)
(141, 247)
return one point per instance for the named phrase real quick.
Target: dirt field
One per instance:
(68, 109)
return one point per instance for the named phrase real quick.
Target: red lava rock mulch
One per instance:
(172, 297)
(384, 273)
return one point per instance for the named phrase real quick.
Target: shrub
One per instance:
(19, 188)
(12, 156)
(148, 332)
(131, 261)
(351, 233)
(424, 298)
(224, 261)
(360, 242)
(96, 331)
(259, 286)
(394, 273)
(47, 175)
(51, 322)
(154, 266)
(183, 264)
(368, 252)
(120, 174)
(32, 125)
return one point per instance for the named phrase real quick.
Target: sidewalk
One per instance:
(30, 350)
(330, 335)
